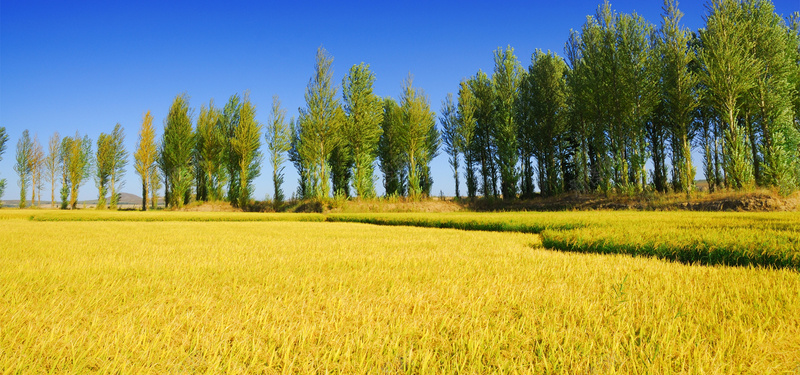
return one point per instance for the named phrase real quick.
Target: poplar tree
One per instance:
(23, 165)
(390, 150)
(176, 152)
(451, 136)
(37, 163)
(77, 160)
(678, 88)
(210, 146)
(230, 121)
(3, 141)
(484, 145)
(729, 72)
(505, 84)
(466, 133)
(119, 161)
(319, 126)
(52, 165)
(362, 126)
(245, 145)
(279, 141)
(417, 138)
(103, 166)
(145, 157)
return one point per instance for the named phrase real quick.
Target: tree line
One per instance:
(621, 112)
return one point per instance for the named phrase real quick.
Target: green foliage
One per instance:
(418, 136)
(24, 165)
(466, 134)
(362, 127)
(451, 137)
(210, 147)
(145, 157)
(318, 127)
(245, 145)
(279, 141)
(103, 167)
(3, 141)
(119, 160)
(505, 84)
(390, 150)
(542, 114)
(76, 156)
(230, 121)
(484, 146)
(177, 146)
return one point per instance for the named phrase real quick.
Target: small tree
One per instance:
(145, 156)
(37, 163)
(119, 159)
(77, 158)
(279, 141)
(23, 166)
(103, 167)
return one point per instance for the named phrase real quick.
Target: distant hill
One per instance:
(126, 200)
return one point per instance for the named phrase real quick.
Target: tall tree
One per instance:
(3, 141)
(119, 159)
(304, 189)
(505, 83)
(543, 104)
(451, 137)
(319, 125)
(77, 160)
(37, 164)
(362, 126)
(279, 141)
(466, 134)
(679, 93)
(417, 121)
(245, 145)
(390, 150)
(484, 144)
(230, 121)
(52, 165)
(729, 73)
(176, 152)
(23, 165)
(103, 166)
(210, 158)
(145, 156)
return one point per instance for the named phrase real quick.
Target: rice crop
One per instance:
(317, 297)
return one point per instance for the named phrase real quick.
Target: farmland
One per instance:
(233, 292)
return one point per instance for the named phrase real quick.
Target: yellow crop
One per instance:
(316, 297)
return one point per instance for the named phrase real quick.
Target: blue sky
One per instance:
(84, 66)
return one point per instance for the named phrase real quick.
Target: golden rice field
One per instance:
(192, 295)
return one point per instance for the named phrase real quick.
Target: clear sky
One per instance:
(84, 66)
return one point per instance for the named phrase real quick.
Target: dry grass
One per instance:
(288, 297)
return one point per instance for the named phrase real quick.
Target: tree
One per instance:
(466, 134)
(729, 73)
(176, 153)
(210, 155)
(417, 121)
(119, 159)
(76, 154)
(451, 137)
(3, 141)
(245, 145)
(145, 156)
(679, 93)
(543, 106)
(505, 84)
(52, 165)
(390, 150)
(279, 141)
(103, 166)
(362, 126)
(230, 121)
(484, 144)
(23, 166)
(319, 126)
(37, 163)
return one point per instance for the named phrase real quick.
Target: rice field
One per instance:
(192, 295)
